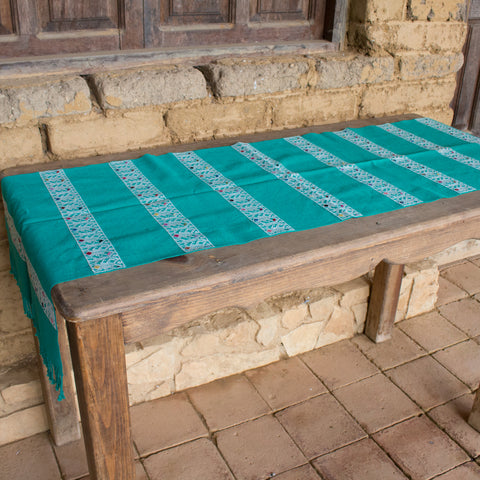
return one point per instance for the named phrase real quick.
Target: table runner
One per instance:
(71, 223)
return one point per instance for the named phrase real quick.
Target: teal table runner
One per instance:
(72, 223)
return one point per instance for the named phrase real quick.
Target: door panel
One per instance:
(66, 15)
(7, 20)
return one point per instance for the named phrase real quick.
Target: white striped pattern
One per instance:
(185, 234)
(405, 162)
(42, 297)
(255, 211)
(426, 144)
(467, 137)
(355, 172)
(300, 184)
(96, 247)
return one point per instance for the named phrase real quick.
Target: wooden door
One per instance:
(41, 27)
(173, 23)
(467, 110)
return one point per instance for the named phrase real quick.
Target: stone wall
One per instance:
(401, 56)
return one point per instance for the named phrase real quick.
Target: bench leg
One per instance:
(474, 418)
(383, 302)
(62, 416)
(98, 356)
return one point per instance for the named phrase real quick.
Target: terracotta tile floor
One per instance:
(352, 410)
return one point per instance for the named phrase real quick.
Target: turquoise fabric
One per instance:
(222, 196)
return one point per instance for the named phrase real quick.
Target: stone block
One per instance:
(404, 298)
(24, 394)
(459, 251)
(268, 335)
(435, 10)
(354, 292)
(203, 370)
(9, 292)
(201, 122)
(380, 100)
(350, 70)
(16, 348)
(20, 146)
(302, 339)
(23, 424)
(423, 295)
(416, 65)
(409, 36)
(4, 256)
(295, 316)
(240, 78)
(34, 100)
(13, 320)
(322, 106)
(322, 308)
(144, 392)
(142, 88)
(445, 37)
(376, 11)
(341, 323)
(100, 135)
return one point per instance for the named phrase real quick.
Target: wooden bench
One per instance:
(98, 315)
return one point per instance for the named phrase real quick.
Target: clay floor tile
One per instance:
(258, 449)
(467, 471)
(305, 472)
(452, 418)
(427, 382)
(339, 364)
(164, 423)
(391, 353)
(197, 460)
(320, 425)
(448, 292)
(464, 315)
(363, 460)
(432, 331)
(72, 459)
(376, 403)
(420, 448)
(285, 382)
(463, 360)
(465, 275)
(228, 402)
(140, 473)
(31, 458)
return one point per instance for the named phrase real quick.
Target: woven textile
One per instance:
(72, 223)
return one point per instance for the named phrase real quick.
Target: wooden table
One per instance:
(101, 314)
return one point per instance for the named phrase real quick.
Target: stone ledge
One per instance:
(416, 65)
(414, 96)
(375, 11)
(98, 135)
(23, 103)
(253, 77)
(141, 88)
(346, 70)
(395, 37)
(433, 10)
(20, 145)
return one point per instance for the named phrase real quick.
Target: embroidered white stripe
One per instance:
(185, 234)
(42, 297)
(467, 137)
(96, 247)
(355, 172)
(297, 182)
(255, 211)
(405, 162)
(422, 142)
